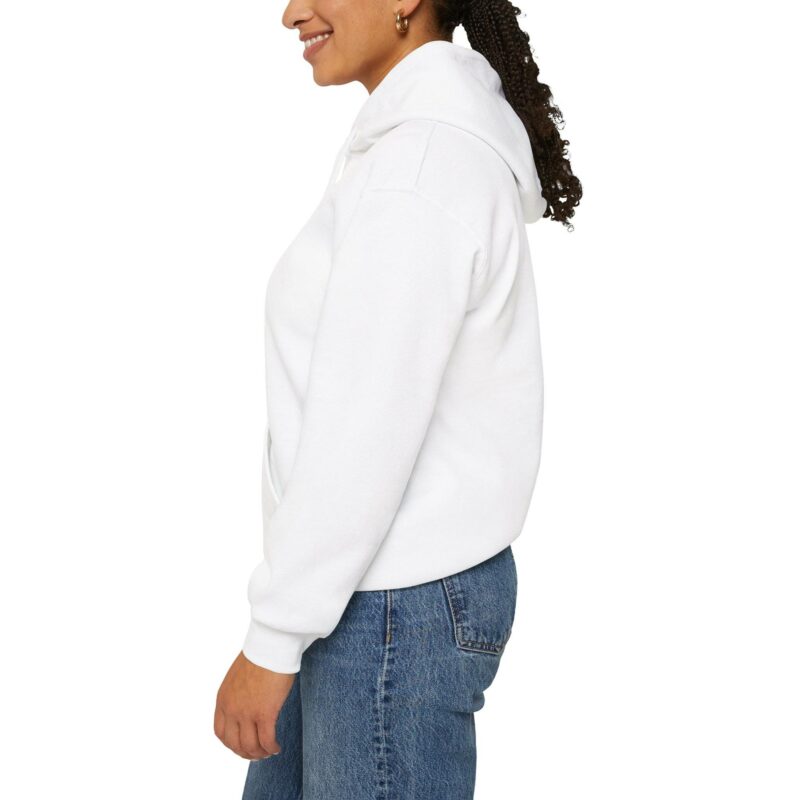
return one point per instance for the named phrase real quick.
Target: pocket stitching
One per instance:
(491, 648)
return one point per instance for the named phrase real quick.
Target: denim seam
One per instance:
(381, 699)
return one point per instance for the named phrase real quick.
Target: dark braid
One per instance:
(492, 29)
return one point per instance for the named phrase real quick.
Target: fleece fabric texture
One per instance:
(403, 363)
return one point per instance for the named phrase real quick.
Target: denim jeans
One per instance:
(383, 708)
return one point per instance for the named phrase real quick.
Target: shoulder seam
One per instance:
(446, 211)
(424, 154)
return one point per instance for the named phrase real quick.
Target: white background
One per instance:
(156, 159)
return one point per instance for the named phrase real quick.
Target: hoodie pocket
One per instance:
(269, 494)
(482, 602)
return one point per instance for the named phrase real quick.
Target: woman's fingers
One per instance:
(266, 734)
(248, 704)
(249, 741)
(219, 722)
(244, 736)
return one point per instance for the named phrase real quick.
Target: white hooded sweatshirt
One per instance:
(403, 365)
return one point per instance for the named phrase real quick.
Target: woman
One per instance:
(404, 396)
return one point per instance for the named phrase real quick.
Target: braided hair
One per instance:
(492, 29)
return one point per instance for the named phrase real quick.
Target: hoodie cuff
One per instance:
(275, 650)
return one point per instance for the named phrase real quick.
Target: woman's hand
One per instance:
(248, 703)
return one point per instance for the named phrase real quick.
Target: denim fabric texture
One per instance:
(383, 708)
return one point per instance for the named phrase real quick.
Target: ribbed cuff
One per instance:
(273, 649)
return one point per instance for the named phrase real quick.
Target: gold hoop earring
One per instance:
(400, 22)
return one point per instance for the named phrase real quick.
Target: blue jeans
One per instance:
(383, 708)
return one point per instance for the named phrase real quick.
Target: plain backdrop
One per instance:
(156, 159)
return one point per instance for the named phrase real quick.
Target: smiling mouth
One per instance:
(315, 40)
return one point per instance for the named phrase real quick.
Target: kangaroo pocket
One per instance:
(269, 494)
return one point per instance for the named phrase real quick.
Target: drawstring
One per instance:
(344, 153)
(342, 162)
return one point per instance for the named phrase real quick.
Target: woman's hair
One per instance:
(492, 29)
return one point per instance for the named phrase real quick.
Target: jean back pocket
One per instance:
(482, 602)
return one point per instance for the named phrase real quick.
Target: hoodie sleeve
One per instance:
(396, 297)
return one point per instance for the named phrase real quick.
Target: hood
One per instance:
(457, 85)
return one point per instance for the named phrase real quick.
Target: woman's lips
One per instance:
(311, 51)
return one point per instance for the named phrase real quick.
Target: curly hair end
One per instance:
(493, 30)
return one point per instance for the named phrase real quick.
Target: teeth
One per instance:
(316, 39)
